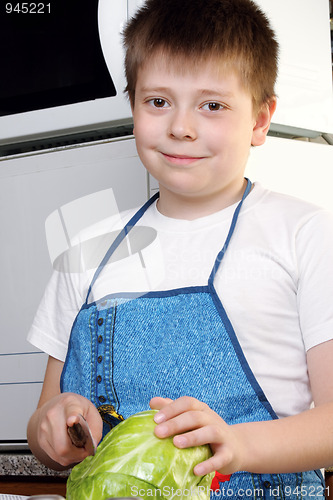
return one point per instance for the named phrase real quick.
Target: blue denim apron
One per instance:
(127, 348)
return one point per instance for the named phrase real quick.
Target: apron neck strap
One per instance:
(120, 237)
(137, 216)
(230, 233)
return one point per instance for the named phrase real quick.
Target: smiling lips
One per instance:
(181, 159)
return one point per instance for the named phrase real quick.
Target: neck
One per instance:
(188, 207)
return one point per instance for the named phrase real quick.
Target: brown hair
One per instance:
(235, 32)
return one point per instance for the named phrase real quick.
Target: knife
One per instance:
(81, 436)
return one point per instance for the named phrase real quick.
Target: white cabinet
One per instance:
(31, 188)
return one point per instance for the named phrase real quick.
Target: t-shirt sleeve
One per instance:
(67, 289)
(314, 254)
(56, 313)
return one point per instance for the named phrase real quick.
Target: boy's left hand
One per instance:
(193, 423)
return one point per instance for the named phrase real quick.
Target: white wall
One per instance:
(298, 168)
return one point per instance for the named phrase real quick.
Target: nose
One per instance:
(182, 125)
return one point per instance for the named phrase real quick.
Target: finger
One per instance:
(74, 407)
(223, 458)
(157, 403)
(179, 406)
(60, 449)
(211, 465)
(95, 423)
(71, 457)
(69, 452)
(182, 423)
(209, 434)
(73, 419)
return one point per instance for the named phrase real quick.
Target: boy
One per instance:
(240, 326)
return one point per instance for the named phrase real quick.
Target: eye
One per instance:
(158, 102)
(213, 106)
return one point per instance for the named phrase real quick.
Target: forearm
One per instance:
(298, 443)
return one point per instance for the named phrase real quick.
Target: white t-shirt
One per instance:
(275, 281)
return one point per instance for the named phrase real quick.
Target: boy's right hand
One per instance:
(53, 419)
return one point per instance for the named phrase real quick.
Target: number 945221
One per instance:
(28, 8)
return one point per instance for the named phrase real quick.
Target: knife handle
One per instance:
(77, 435)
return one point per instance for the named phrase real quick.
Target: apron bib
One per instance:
(125, 349)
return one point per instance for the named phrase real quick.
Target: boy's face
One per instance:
(194, 130)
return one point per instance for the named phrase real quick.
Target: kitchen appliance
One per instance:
(62, 72)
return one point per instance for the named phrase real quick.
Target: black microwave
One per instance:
(51, 55)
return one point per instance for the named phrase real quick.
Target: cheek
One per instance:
(147, 132)
(144, 146)
(142, 130)
(219, 141)
(138, 129)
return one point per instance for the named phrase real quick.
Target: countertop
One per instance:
(25, 464)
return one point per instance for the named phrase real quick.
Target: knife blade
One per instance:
(81, 436)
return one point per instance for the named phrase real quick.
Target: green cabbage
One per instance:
(132, 462)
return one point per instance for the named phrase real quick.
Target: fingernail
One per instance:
(159, 418)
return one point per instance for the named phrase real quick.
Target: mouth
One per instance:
(181, 159)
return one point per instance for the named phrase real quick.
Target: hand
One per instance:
(53, 419)
(193, 423)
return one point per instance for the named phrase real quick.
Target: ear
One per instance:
(262, 122)
(132, 111)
